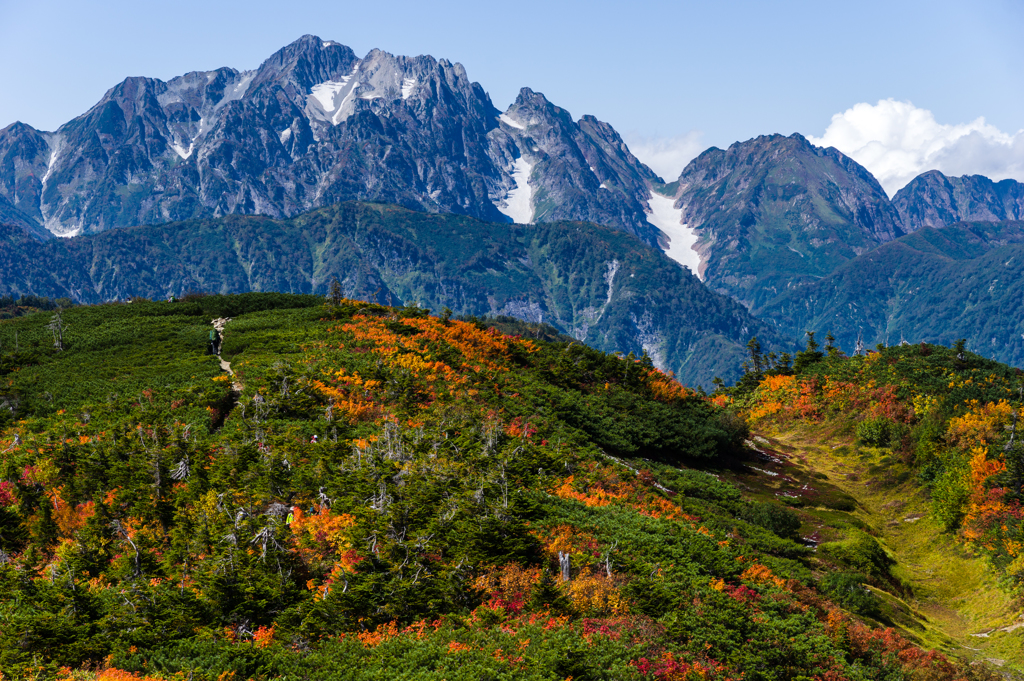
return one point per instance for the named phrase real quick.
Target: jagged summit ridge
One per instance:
(935, 200)
(312, 126)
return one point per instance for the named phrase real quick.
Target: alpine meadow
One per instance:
(332, 370)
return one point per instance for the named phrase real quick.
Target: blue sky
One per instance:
(673, 77)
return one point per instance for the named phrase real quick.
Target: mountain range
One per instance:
(936, 285)
(803, 237)
(775, 213)
(312, 126)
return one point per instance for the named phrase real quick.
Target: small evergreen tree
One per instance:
(335, 295)
(757, 358)
(811, 354)
(960, 347)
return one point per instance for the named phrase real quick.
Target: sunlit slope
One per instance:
(924, 439)
(387, 493)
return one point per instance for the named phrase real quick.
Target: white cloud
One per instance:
(897, 141)
(667, 156)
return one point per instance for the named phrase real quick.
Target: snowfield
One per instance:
(508, 121)
(681, 240)
(519, 204)
(407, 87)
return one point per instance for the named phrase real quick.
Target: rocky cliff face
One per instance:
(935, 200)
(312, 126)
(579, 170)
(776, 212)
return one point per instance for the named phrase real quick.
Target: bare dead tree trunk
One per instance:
(57, 327)
(563, 563)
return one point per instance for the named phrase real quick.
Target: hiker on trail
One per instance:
(216, 340)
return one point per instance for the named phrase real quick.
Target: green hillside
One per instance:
(926, 439)
(935, 285)
(375, 493)
(598, 285)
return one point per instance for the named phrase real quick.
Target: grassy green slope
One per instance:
(921, 437)
(389, 494)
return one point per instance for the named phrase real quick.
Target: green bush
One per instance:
(863, 553)
(700, 485)
(773, 517)
(847, 589)
(950, 491)
(875, 432)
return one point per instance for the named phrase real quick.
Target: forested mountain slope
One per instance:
(936, 285)
(600, 285)
(376, 492)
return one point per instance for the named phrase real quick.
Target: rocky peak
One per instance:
(776, 211)
(935, 200)
(305, 63)
(312, 126)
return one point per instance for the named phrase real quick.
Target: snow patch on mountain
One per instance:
(204, 126)
(519, 204)
(56, 144)
(332, 96)
(609, 278)
(407, 87)
(181, 151)
(64, 228)
(669, 219)
(504, 118)
(238, 89)
(326, 93)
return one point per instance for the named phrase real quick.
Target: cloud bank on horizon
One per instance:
(897, 141)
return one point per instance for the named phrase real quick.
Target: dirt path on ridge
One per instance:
(218, 327)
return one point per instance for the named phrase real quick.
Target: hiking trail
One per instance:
(218, 341)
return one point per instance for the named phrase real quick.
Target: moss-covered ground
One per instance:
(943, 596)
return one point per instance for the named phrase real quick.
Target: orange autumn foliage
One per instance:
(987, 510)
(568, 539)
(639, 495)
(478, 346)
(322, 534)
(108, 674)
(354, 397)
(263, 637)
(980, 426)
(382, 633)
(596, 593)
(773, 395)
(666, 388)
(760, 574)
(508, 587)
(70, 518)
